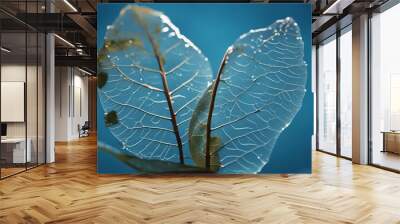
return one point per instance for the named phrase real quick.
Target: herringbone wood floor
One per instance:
(70, 191)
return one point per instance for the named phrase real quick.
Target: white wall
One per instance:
(62, 81)
(71, 94)
(16, 73)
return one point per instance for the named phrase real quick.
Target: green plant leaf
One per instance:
(197, 134)
(148, 165)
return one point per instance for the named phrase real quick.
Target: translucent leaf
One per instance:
(149, 74)
(197, 134)
(260, 89)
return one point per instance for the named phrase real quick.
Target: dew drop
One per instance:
(171, 34)
(205, 59)
(186, 45)
(165, 29)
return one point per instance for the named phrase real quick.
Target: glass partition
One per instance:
(32, 98)
(327, 95)
(385, 89)
(346, 93)
(13, 109)
(22, 77)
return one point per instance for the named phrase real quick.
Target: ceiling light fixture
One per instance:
(84, 71)
(337, 7)
(70, 5)
(5, 50)
(65, 41)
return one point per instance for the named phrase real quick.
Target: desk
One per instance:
(391, 141)
(16, 147)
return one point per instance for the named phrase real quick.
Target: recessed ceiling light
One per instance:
(84, 71)
(5, 50)
(70, 5)
(64, 40)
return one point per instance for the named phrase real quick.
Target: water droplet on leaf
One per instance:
(165, 29)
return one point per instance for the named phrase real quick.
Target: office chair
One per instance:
(84, 130)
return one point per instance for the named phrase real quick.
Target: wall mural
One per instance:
(170, 111)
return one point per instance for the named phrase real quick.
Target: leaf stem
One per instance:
(210, 112)
(166, 91)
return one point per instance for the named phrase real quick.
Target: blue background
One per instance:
(213, 27)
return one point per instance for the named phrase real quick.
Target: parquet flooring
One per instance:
(70, 191)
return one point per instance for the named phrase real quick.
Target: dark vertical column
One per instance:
(338, 81)
(1, 163)
(37, 87)
(26, 86)
(369, 96)
(317, 95)
(44, 70)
